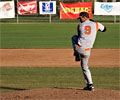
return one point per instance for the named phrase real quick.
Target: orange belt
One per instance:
(87, 49)
(84, 49)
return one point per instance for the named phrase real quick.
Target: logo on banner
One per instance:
(29, 7)
(6, 7)
(106, 7)
(72, 10)
(47, 7)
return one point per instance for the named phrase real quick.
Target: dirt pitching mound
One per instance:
(62, 94)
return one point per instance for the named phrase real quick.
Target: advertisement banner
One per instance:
(7, 9)
(27, 7)
(104, 8)
(47, 7)
(72, 10)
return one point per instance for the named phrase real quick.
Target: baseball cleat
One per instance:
(77, 57)
(89, 87)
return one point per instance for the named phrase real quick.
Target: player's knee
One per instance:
(74, 38)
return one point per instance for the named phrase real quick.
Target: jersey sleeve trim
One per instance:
(96, 26)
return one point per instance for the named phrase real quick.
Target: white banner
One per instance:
(7, 9)
(47, 7)
(104, 8)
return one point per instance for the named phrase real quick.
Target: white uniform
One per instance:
(88, 30)
(83, 43)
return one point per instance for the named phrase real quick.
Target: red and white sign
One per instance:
(72, 10)
(27, 7)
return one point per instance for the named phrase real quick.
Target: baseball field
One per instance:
(37, 63)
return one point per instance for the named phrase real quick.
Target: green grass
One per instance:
(51, 36)
(23, 78)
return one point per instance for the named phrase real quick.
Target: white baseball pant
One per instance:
(84, 54)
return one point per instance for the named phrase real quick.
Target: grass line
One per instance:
(23, 78)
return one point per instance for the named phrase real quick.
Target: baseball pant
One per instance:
(84, 55)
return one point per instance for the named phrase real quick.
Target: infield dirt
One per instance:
(57, 58)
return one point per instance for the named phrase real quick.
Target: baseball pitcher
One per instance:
(83, 42)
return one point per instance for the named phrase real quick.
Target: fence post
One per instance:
(17, 12)
(114, 18)
(50, 17)
(114, 15)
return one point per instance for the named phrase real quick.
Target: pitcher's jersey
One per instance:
(87, 33)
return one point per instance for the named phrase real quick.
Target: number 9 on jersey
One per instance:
(87, 30)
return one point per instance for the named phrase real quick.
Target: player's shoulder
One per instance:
(89, 22)
(92, 21)
(95, 23)
(100, 24)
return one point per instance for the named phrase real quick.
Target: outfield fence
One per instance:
(56, 17)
